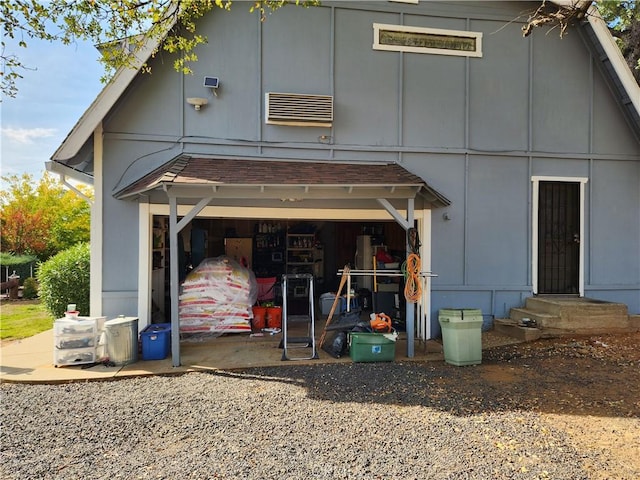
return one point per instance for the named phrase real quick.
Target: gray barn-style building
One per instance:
(517, 159)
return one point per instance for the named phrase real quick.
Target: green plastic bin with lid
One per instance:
(372, 347)
(461, 335)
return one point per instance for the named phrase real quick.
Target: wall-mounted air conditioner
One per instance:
(299, 110)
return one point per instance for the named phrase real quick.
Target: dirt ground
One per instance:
(588, 386)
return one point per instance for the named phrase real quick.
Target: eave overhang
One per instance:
(68, 172)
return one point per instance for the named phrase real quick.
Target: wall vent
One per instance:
(298, 110)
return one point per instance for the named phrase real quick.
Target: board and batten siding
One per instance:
(476, 129)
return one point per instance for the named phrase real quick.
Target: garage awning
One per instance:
(200, 181)
(196, 177)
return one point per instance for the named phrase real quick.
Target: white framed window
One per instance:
(403, 38)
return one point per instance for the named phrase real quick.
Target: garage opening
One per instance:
(199, 183)
(273, 247)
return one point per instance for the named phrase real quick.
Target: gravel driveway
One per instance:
(504, 419)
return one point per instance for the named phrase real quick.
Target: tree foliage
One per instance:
(65, 279)
(9, 259)
(42, 218)
(120, 27)
(624, 20)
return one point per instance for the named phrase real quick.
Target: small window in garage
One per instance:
(402, 38)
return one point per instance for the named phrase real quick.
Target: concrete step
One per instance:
(542, 319)
(574, 315)
(512, 328)
(570, 306)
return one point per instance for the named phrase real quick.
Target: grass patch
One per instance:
(22, 319)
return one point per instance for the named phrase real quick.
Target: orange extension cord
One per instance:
(412, 286)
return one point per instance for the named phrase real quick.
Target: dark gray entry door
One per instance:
(558, 238)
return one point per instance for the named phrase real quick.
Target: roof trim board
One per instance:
(66, 171)
(615, 57)
(628, 90)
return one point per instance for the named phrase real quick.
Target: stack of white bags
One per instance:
(217, 297)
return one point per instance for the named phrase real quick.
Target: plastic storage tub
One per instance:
(77, 326)
(74, 356)
(156, 341)
(74, 341)
(372, 347)
(326, 302)
(461, 336)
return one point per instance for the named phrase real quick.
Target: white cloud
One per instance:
(27, 135)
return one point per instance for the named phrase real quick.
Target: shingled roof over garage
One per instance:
(192, 177)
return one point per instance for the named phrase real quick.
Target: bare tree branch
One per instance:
(556, 15)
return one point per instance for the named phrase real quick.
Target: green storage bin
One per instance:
(461, 335)
(372, 347)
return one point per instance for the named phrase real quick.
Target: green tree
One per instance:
(42, 218)
(23, 232)
(623, 18)
(120, 27)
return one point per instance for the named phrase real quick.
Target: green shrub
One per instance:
(64, 279)
(30, 289)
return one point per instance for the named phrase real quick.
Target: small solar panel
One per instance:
(211, 82)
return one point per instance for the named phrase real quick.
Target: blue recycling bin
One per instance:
(156, 341)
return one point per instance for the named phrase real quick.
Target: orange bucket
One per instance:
(274, 317)
(259, 318)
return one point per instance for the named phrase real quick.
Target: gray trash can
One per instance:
(461, 336)
(122, 340)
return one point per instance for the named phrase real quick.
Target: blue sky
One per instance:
(51, 98)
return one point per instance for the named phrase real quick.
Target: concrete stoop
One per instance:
(556, 316)
(512, 328)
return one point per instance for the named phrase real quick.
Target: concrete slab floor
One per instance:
(31, 360)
